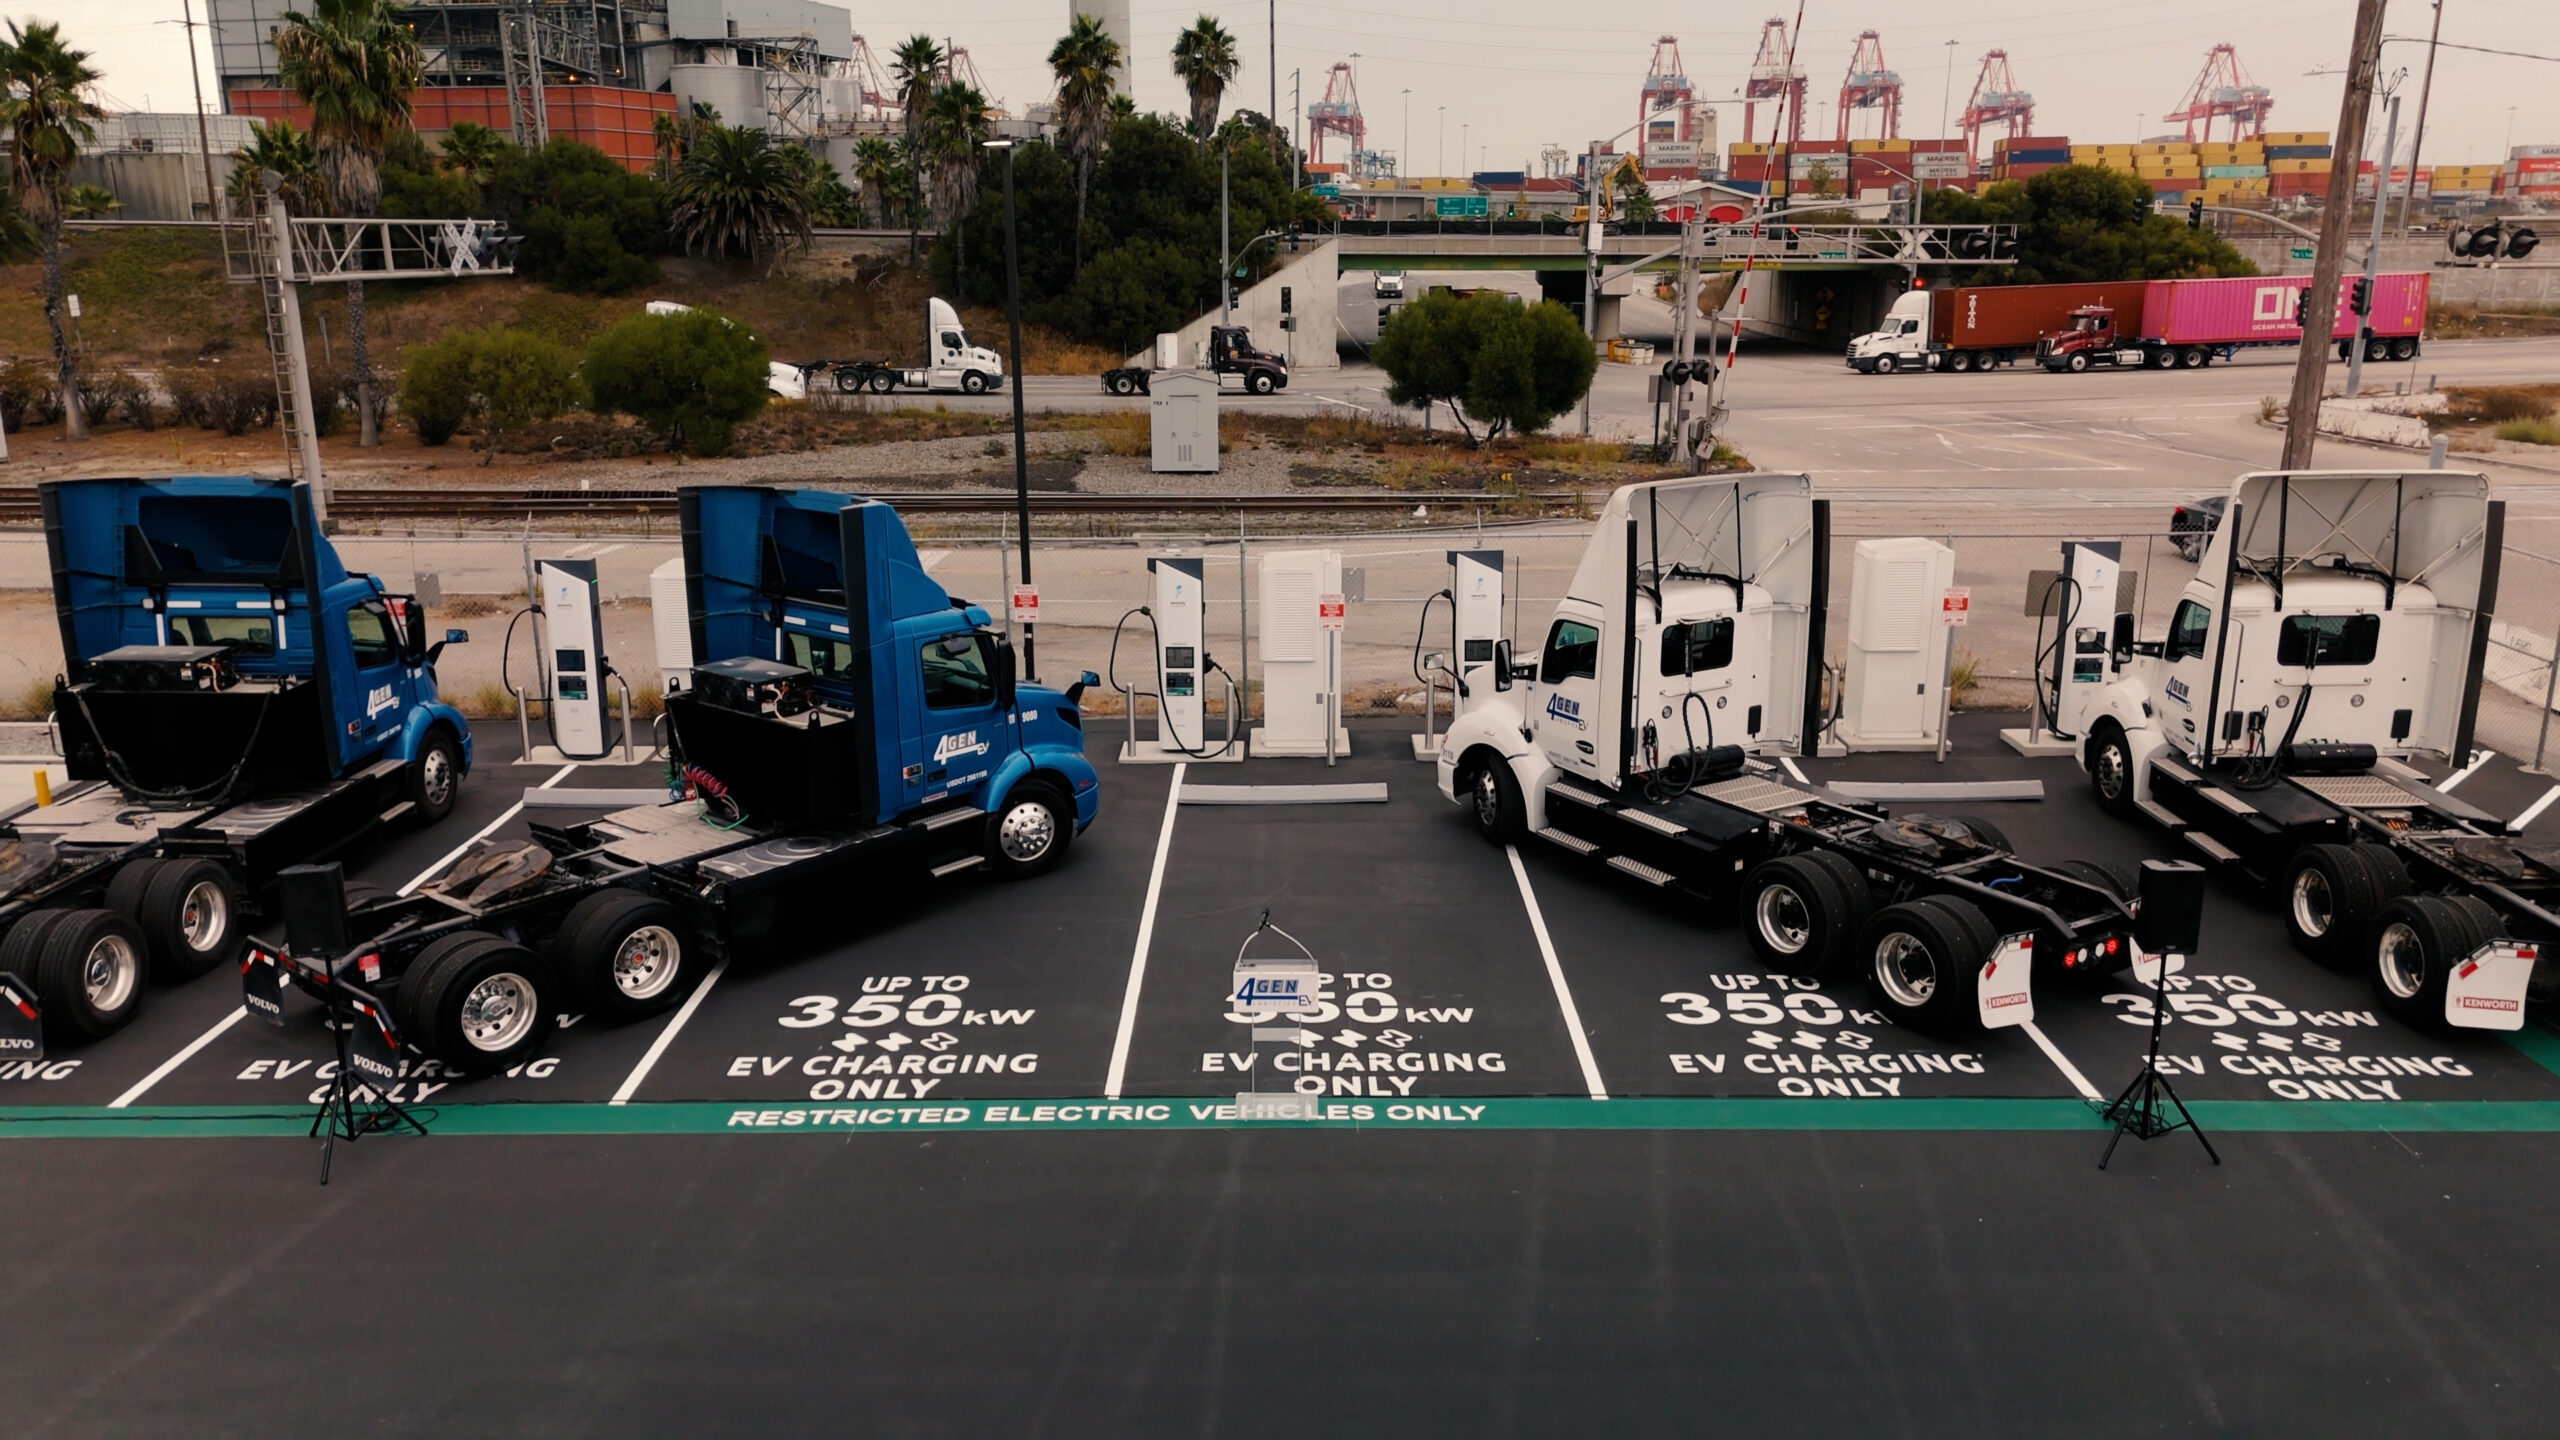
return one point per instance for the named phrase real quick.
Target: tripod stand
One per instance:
(341, 1113)
(2136, 1109)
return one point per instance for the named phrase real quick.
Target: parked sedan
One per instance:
(2191, 525)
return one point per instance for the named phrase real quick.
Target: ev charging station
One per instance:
(573, 665)
(1302, 618)
(2071, 667)
(1894, 686)
(1177, 631)
(1475, 624)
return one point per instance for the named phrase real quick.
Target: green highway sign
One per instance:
(1328, 192)
(2301, 252)
(1458, 207)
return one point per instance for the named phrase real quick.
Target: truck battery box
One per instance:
(748, 686)
(140, 668)
(782, 770)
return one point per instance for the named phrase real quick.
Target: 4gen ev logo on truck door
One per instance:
(958, 742)
(1567, 711)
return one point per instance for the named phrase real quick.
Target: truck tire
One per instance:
(2390, 877)
(25, 941)
(2078, 363)
(2115, 879)
(1852, 880)
(481, 1008)
(2111, 771)
(1797, 920)
(1493, 798)
(2405, 348)
(2192, 358)
(1960, 361)
(1115, 385)
(124, 892)
(848, 381)
(1030, 832)
(1142, 382)
(2416, 943)
(625, 952)
(973, 382)
(408, 1018)
(882, 382)
(1884, 365)
(1985, 831)
(89, 974)
(2330, 900)
(434, 781)
(1259, 382)
(192, 918)
(2376, 351)
(1918, 961)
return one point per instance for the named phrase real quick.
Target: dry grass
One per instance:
(487, 701)
(2469, 322)
(33, 703)
(2530, 432)
(2492, 404)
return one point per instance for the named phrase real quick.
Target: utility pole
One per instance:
(1226, 262)
(1021, 460)
(2426, 83)
(2320, 305)
(2373, 249)
(1404, 155)
(1683, 328)
(1946, 93)
(1590, 267)
(204, 136)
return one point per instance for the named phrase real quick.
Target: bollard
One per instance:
(44, 787)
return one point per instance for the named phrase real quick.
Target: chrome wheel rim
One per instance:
(435, 775)
(646, 962)
(109, 973)
(205, 917)
(1785, 921)
(1905, 971)
(498, 1012)
(2402, 961)
(2110, 772)
(1027, 832)
(1488, 801)
(2314, 908)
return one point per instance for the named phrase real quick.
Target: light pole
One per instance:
(1946, 93)
(1021, 462)
(1441, 166)
(2425, 84)
(1462, 145)
(1404, 155)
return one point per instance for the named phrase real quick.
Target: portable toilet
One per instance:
(1182, 409)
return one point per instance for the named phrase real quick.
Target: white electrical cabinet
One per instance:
(1301, 657)
(671, 623)
(1182, 414)
(1894, 690)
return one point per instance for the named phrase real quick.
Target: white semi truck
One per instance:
(952, 365)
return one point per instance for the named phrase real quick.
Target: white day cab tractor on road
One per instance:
(2336, 628)
(952, 365)
(860, 728)
(233, 701)
(1687, 650)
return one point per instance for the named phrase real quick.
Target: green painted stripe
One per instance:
(2539, 1045)
(1216, 1113)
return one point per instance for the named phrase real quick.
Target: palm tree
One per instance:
(49, 119)
(666, 136)
(881, 169)
(1083, 61)
(276, 145)
(1204, 57)
(737, 194)
(471, 151)
(955, 125)
(356, 64)
(88, 202)
(917, 67)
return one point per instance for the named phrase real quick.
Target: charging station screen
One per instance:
(1178, 683)
(565, 662)
(1177, 657)
(1479, 652)
(573, 687)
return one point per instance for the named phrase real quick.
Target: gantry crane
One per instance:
(2224, 89)
(1996, 100)
(1774, 76)
(1871, 86)
(1338, 112)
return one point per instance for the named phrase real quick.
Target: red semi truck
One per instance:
(2186, 323)
(1981, 326)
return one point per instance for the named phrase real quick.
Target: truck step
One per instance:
(2161, 813)
(1578, 796)
(966, 862)
(2211, 846)
(950, 817)
(1640, 870)
(2173, 770)
(396, 811)
(1574, 843)
(1653, 822)
(2227, 800)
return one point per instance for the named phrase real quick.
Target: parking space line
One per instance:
(174, 1061)
(1146, 937)
(485, 832)
(1792, 771)
(667, 1036)
(1555, 973)
(2479, 760)
(227, 1021)
(2533, 811)
(2062, 1063)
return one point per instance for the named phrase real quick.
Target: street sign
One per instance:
(1955, 605)
(1458, 207)
(1329, 610)
(2301, 252)
(1026, 604)
(1328, 192)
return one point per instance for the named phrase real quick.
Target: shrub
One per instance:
(187, 390)
(1507, 365)
(118, 395)
(503, 378)
(237, 402)
(690, 378)
(332, 401)
(2531, 432)
(29, 394)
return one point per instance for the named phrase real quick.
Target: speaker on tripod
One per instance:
(359, 1100)
(2168, 929)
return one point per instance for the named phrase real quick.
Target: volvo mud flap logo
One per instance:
(1567, 711)
(959, 742)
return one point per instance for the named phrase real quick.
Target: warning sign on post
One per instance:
(1026, 604)
(1329, 610)
(1956, 604)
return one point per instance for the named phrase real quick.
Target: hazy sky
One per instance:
(1513, 76)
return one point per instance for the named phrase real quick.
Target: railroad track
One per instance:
(18, 505)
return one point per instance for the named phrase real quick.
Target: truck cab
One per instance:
(952, 363)
(2087, 338)
(1901, 342)
(1231, 352)
(214, 643)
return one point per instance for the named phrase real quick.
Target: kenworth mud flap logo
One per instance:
(960, 742)
(1567, 711)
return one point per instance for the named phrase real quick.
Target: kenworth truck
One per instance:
(1687, 648)
(232, 701)
(858, 725)
(2338, 626)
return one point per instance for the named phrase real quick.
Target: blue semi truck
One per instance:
(233, 701)
(854, 724)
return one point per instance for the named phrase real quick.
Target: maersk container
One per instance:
(2258, 309)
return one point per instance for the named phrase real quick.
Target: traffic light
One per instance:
(2195, 213)
(2520, 243)
(2302, 307)
(2360, 296)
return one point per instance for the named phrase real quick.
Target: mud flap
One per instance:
(21, 1021)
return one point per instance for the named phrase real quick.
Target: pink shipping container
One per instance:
(2258, 309)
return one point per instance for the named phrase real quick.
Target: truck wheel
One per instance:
(1917, 960)
(191, 915)
(435, 777)
(1114, 385)
(1959, 362)
(2329, 902)
(2405, 348)
(1884, 365)
(2416, 944)
(625, 952)
(2192, 358)
(89, 974)
(2376, 351)
(848, 381)
(1493, 797)
(1795, 915)
(973, 382)
(1142, 382)
(1029, 834)
(481, 1008)
(2115, 879)
(125, 891)
(25, 942)
(1985, 831)
(2111, 772)
(1852, 882)
(2077, 364)
(882, 382)
(2390, 877)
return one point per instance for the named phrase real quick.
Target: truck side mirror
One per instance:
(2123, 642)
(451, 637)
(1501, 664)
(1075, 692)
(1004, 668)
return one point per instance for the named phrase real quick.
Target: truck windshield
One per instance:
(1696, 648)
(2342, 639)
(245, 634)
(1573, 652)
